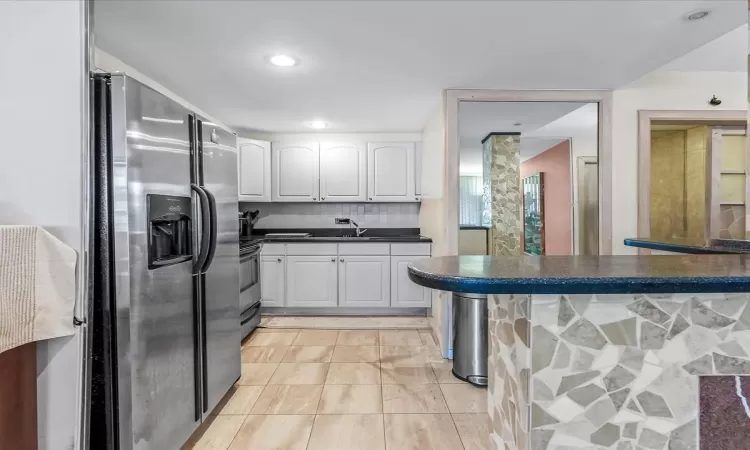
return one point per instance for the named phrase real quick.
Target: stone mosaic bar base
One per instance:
(615, 371)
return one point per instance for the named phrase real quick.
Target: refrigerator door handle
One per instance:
(214, 229)
(206, 229)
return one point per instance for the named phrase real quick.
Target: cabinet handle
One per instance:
(322, 198)
(314, 198)
(279, 259)
(416, 198)
(333, 259)
(342, 259)
(370, 198)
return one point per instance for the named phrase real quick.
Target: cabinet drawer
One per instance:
(364, 249)
(311, 249)
(273, 249)
(416, 249)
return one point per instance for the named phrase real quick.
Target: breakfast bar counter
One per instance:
(611, 352)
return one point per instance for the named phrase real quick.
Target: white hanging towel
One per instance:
(37, 286)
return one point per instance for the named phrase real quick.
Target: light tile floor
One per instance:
(305, 389)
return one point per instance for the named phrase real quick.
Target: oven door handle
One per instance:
(249, 256)
(256, 308)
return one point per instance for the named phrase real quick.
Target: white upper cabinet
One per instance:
(343, 172)
(254, 170)
(296, 172)
(391, 172)
(364, 281)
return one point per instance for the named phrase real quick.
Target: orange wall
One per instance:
(554, 163)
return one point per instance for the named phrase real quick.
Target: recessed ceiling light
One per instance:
(317, 124)
(283, 61)
(697, 15)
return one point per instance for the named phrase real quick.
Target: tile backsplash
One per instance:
(322, 215)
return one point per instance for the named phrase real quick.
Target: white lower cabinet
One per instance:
(272, 271)
(311, 281)
(404, 292)
(364, 281)
(324, 275)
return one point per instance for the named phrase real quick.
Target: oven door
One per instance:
(249, 279)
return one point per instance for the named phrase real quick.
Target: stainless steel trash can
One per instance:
(470, 338)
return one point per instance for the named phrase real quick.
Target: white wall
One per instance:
(432, 216)
(41, 121)
(106, 62)
(657, 91)
(322, 215)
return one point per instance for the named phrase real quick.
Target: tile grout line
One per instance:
(455, 427)
(382, 419)
(309, 435)
(237, 433)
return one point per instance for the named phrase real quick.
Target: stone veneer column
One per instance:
(502, 186)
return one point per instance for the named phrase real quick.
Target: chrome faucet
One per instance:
(346, 220)
(357, 230)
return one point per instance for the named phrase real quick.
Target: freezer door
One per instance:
(155, 328)
(221, 282)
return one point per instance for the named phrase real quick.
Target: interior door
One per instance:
(296, 172)
(343, 172)
(728, 194)
(222, 280)
(588, 206)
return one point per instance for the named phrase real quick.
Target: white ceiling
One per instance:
(543, 125)
(727, 53)
(381, 65)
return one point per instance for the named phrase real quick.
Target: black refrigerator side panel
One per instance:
(103, 427)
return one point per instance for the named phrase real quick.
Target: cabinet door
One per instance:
(311, 281)
(296, 172)
(418, 172)
(343, 172)
(255, 170)
(390, 172)
(272, 270)
(405, 293)
(364, 281)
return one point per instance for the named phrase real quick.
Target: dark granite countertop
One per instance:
(390, 235)
(584, 274)
(692, 246)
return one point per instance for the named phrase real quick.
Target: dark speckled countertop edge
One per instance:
(580, 285)
(678, 248)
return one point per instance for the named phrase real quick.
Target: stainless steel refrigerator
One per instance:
(165, 310)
